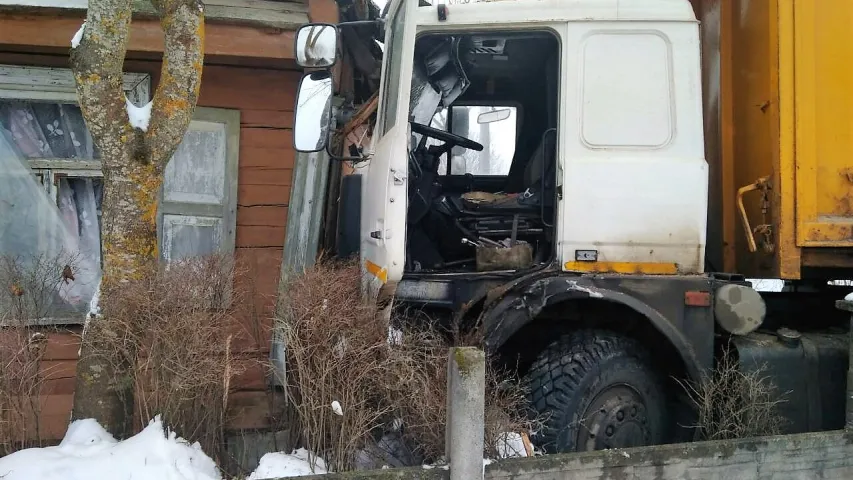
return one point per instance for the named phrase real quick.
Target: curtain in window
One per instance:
(35, 228)
(41, 130)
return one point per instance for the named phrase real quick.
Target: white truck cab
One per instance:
(529, 153)
(604, 102)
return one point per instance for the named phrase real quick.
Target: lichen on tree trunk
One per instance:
(133, 164)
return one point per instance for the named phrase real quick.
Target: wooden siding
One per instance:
(228, 42)
(265, 99)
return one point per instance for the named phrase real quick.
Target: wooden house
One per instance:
(241, 143)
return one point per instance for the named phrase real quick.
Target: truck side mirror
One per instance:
(316, 45)
(313, 112)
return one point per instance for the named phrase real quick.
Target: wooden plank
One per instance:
(266, 138)
(270, 216)
(58, 386)
(248, 410)
(253, 372)
(248, 337)
(323, 11)
(147, 36)
(257, 236)
(62, 345)
(267, 157)
(288, 6)
(58, 370)
(248, 88)
(304, 223)
(266, 118)
(255, 13)
(57, 81)
(268, 195)
(265, 176)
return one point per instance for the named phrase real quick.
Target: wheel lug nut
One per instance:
(609, 431)
(633, 411)
(620, 415)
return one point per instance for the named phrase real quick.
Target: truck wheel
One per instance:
(597, 390)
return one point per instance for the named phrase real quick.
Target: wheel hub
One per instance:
(616, 418)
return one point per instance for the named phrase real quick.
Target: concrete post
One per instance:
(848, 306)
(466, 398)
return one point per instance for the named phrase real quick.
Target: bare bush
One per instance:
(731, 403)
(175, 323)
(338, 350)
(28, 293)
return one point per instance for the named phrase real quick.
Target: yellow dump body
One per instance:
(786, 128)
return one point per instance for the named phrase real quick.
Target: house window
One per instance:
(51, 186)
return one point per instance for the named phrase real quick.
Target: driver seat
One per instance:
(542, 162)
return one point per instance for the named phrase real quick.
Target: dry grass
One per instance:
(731, 403)
(338, 350)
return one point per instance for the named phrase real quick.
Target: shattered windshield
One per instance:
(438, 79)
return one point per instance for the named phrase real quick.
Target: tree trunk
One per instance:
(134, 158)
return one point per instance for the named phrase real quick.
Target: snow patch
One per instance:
(75, 40)
(89, 452)
(281, 465)
(849, 297)
(510, 444)
(139, 117)
(767, 284)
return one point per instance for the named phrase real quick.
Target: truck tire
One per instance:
(597, 390)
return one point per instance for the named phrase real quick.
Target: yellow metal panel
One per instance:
(647, 268)
(788, 254)
(823, 100)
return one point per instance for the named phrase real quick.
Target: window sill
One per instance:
(46, 322)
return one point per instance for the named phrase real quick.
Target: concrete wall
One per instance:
(825, 455)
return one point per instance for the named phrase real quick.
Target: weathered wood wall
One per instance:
(265, 98)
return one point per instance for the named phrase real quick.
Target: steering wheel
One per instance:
(450, 140)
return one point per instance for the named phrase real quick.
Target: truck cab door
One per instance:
(384, 191)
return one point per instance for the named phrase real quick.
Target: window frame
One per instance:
(231, 121)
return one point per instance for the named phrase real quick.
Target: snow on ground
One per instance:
(89, 452)
(296, 464)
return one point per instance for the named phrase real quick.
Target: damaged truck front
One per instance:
(537, 174)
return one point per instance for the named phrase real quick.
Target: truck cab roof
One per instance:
(522, 11)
